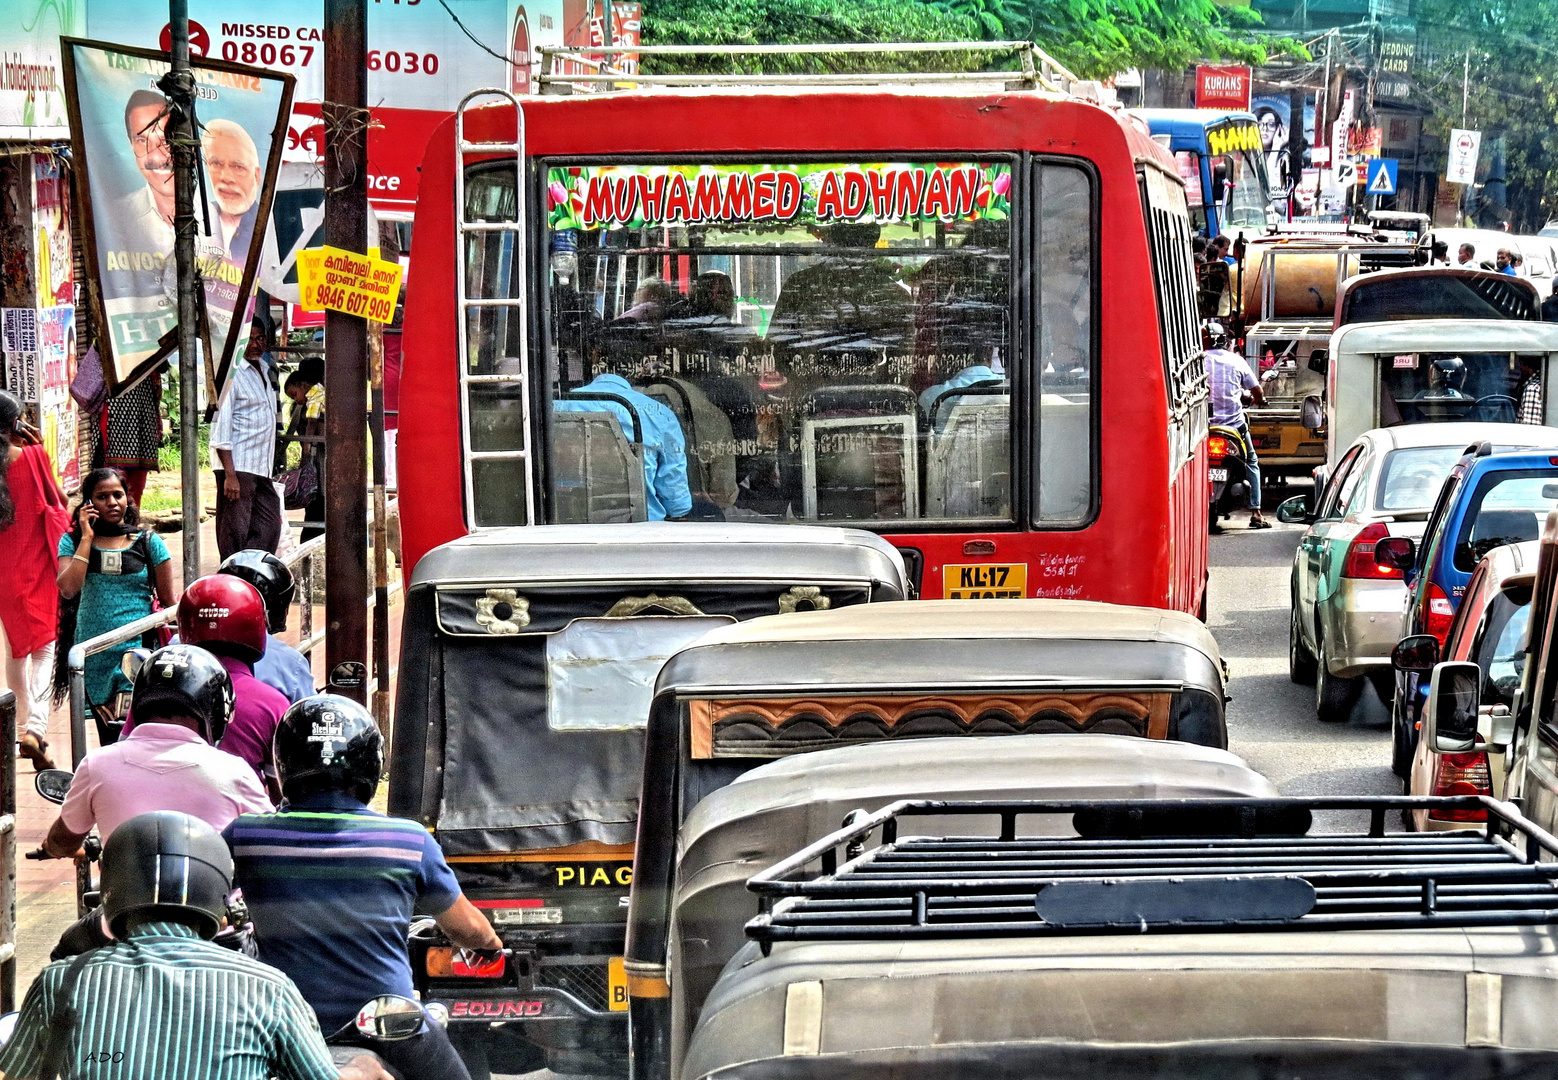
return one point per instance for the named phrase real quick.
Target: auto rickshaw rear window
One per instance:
(1423, 388)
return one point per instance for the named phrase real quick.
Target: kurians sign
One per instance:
(1226, 87)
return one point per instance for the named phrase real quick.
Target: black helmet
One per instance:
(331, 742)
(270, 576)
(184, 680)
(166, 864)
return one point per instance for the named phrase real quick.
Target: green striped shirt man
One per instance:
(167, 1005)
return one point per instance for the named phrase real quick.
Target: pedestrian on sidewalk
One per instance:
(33, 517)
(111, 572)
(243, 441)
(307, 420)
(128, 433)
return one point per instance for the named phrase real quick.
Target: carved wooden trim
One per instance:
(1149, 709)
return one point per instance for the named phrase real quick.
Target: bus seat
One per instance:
(711, 445)
(597, 474)
(968, 466)
(858, 458)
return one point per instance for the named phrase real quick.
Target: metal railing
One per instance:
(304, 562)
(1037, 69)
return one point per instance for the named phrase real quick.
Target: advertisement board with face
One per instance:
(119, 118)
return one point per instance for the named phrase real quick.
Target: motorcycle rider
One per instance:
(332, 886)
(226, 616)
(183, 699)
(1230, 379)
(282, 666)
(163, 1001)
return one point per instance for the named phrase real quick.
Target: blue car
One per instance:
(1489, 499)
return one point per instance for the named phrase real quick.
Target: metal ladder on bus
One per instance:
(516, 300)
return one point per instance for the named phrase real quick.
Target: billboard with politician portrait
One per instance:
(124, 164)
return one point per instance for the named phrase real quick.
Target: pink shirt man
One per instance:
(161, 767)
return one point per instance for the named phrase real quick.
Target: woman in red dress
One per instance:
(32, 520)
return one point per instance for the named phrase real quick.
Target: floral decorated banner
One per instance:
(633, 196)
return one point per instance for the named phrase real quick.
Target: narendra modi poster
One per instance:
(124, 172)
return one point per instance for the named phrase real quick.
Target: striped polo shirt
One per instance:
(167, 1004)
(332, 888)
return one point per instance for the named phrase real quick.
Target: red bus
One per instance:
(962, 317)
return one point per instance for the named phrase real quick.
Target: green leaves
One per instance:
(1095, 38)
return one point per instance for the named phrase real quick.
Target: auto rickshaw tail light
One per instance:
(1462, 774)
(1360, 555)
(1216, 446)
(1439, 615)
(446, 963)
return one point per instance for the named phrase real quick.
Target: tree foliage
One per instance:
(1504, 53)
(1095, 38)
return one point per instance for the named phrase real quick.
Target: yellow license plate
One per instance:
(985, 581)
(617, 984)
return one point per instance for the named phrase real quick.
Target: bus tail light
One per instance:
(1462, 774)
(1216, 447)
(1360, 555)
(446, 963)
(1439, 616)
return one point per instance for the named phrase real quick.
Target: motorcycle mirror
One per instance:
(7, 1027)
(53, 784)
(132, 661)
(390, 1018)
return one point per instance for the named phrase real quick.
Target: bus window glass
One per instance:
(817, 342)
(1248, 194)
(493, 347)
(1064, 361)
(1422, 388)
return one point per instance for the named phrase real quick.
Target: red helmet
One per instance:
(225, 615)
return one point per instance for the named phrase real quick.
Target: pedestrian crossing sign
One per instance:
(1382, 176)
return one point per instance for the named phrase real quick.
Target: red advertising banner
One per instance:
(1223, 87)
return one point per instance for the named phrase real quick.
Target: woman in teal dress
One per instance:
(112, 569)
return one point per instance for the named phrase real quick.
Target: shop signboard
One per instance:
(1224, 86)
(32, 96)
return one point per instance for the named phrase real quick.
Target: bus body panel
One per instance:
(1146, 543)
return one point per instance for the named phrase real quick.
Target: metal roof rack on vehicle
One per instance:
(1037, 69)
(1160, 866)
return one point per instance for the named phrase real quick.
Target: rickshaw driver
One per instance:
(332, 885)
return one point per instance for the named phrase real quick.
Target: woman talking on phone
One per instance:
(110, 572)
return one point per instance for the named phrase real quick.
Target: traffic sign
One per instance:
(1461, 161)
(1382, 176)
(1346, 173)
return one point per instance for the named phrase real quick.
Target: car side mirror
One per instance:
(1450, 721)
(1395, 553)
(1320, 361)
(1295, 511)
(1418, 653)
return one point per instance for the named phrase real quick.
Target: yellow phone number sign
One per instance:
(332, 279)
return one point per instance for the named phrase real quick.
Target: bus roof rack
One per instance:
(1037, 70)
(1160, 866)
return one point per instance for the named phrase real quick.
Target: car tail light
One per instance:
(1360, 555)
(446, 963)
(1217, 446)
(1462, 774)
(1439, 616)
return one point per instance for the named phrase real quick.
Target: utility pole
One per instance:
(346, 355)
(179, 88)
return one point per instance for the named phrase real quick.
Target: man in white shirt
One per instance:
(1229, 379)
(243, 440)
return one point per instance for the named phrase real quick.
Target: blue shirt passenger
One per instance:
(332, 888)
(286, 669)
(665, 450)
(974, 373)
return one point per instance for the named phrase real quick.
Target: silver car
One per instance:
(1346, 609)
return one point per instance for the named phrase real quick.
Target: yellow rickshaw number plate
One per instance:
(617, 984)
(985, 581)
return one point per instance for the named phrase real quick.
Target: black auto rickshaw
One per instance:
(527, 663)
(888, 702)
